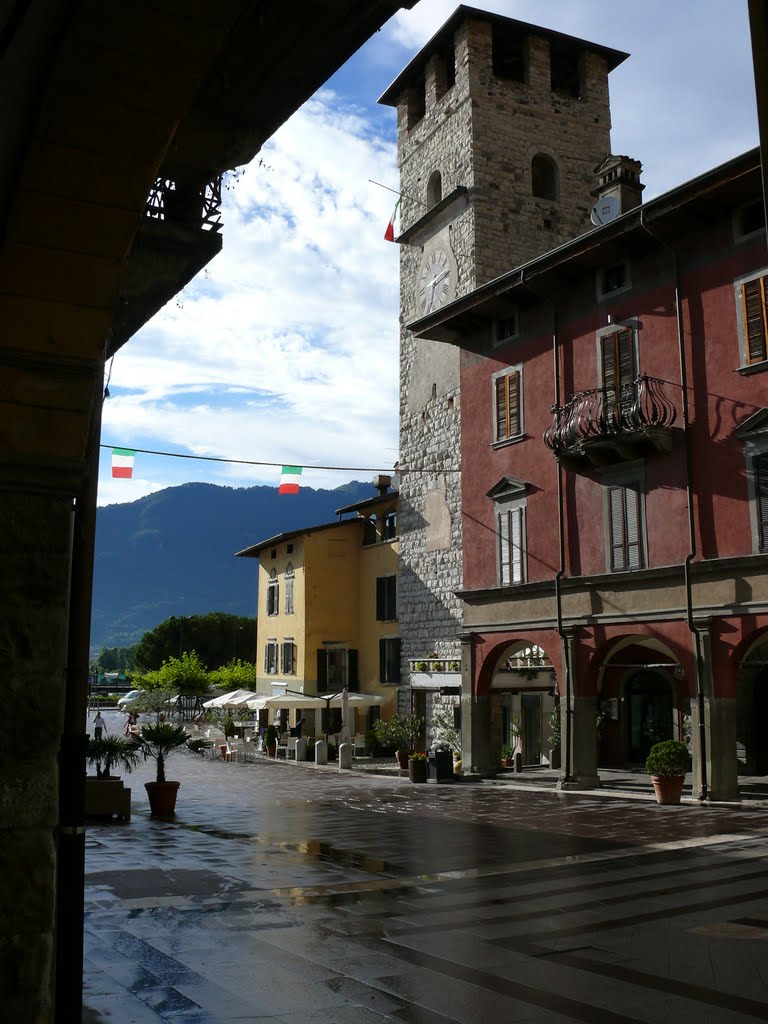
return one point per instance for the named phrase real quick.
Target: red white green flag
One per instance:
(389, 234)
(122, 462)
(289, 480)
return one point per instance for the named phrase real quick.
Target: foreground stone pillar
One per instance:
(321, 752)
(35, 532)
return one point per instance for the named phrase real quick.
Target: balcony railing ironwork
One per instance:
(178, 203)
(610, 418)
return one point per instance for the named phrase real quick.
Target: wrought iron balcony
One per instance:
(179, 203)
(605, 425)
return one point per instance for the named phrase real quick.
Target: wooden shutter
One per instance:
(352, 676)
(322, 671)
(761, 492)
(632, 507)
(755, 319)
(381, 597)
(507, 397)
(625, 527)
(516, 538)
(618, 371)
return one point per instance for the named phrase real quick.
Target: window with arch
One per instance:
(289, 578)
(545, 177)
(273, 594)
(434, 188)
(370, 535)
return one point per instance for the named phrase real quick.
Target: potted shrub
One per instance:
(403, 730)
(158, 742)
(417, 766)
(270, 740)
(667, 764)
(507, 755)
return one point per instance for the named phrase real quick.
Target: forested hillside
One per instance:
(172, 552)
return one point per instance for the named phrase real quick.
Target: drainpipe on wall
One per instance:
(564, 639)
(692, 548)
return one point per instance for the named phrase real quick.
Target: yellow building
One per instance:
(327, 609)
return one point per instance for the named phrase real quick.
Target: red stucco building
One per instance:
(614, 423)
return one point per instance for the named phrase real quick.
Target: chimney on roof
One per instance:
(381, 483)
(619, 176)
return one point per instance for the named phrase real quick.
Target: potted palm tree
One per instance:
(105, 795)
(667, 765)
(110, 752)
(157, 742)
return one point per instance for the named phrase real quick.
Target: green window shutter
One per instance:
(352, 676)
(383, 661)
(391, 597)
(761, 490)
(381, 597)
(755, 319)
(322, 671)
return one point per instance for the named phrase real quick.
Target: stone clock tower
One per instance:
(500, 128)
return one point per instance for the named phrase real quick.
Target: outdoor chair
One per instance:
(358, 746)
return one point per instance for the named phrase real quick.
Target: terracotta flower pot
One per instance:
(668, 788)
(271, 750)
(162, 798)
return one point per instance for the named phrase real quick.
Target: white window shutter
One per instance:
(504, 552)
(632, 499)
(616, 496)
(517, 545)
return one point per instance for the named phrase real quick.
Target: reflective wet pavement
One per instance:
(286, 893)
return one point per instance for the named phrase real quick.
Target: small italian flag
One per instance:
(289, 480)
(122, 461)
(389, 234)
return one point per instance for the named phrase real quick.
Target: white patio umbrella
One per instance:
(345, 736)
(233, 699)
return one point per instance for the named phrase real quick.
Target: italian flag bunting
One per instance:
(289, 480)
(122, 462)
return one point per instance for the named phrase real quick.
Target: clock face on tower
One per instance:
(435, 283)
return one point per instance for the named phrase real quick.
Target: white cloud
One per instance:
(290, 339)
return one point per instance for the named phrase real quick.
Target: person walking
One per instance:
(99, 725)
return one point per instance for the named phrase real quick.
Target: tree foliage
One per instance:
(218, 638)
(186, 674)
(115, 659)
(237, 675)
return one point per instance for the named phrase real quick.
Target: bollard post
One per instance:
(301, 749)
(321, 752)
(345, 755)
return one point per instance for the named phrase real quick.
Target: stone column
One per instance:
(578, 769)
(35, 542)
(719, 739)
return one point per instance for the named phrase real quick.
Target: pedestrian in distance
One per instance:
(99, 725)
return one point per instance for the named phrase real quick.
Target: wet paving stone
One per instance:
(285, 893)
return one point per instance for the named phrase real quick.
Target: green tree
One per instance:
(186, 674)
(115, 659)
(237, 675)
(217, 637)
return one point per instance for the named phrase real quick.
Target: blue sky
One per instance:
(285, 348)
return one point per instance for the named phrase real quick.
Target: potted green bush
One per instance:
(667, 764)
(157, 742)
(507, 755)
